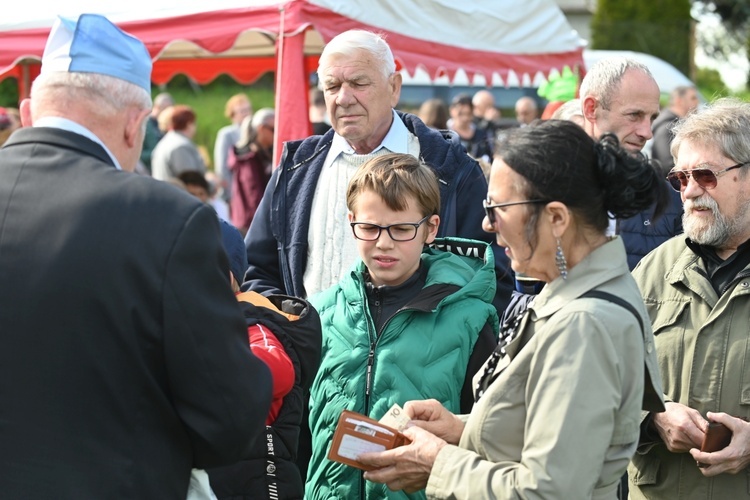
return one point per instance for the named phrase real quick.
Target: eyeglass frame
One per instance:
(489, 209)
(673, 174)
(388, 228)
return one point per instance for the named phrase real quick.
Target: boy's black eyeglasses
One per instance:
(489, 209)
(704, 177)
(404, 231)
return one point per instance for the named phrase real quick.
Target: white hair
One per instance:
(103, 93)
(249, 126)
(350, 41)
(568, 110)
(603, 78)
(260, 116)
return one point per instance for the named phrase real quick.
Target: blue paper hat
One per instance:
(234, 246)
(92, 44)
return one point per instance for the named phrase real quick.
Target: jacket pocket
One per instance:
(665, 316)
(643, 470)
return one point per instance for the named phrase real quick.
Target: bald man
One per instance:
(526, 110)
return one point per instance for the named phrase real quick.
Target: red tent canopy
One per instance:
(245, 39)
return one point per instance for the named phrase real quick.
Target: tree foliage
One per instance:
(710, 83)
(9, 93)
(735, 38)
(658, 27)
(734, 13)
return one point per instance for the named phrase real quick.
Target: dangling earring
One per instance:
(562, 264)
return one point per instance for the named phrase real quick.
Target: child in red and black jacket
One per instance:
(284, 332)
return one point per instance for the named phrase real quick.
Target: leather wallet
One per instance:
(717, 437)
(356, 433)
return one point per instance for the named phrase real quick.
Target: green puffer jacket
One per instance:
(703, 347)
(422, 353)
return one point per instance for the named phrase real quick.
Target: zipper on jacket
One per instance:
(371, 355)
(368, 378)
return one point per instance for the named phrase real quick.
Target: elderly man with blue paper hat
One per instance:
(124, 359)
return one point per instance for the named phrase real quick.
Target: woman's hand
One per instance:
(406, 467)
(433, 417)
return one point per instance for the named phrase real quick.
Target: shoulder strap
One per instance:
(598, 294)
(652, 401)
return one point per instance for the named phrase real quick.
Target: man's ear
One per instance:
(25, 112)
(395, 82)
(133, 125)
(588, 107)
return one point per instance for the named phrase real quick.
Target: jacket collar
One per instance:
(395, 141)
(689, 263)
(594, 270)
(76, 128)
(60, 138)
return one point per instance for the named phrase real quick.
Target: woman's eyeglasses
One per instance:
(704, 177)
(404, 231)
(489, 208)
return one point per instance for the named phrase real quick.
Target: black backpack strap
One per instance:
(598, 294)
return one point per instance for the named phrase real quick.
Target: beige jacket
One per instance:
(562, 419)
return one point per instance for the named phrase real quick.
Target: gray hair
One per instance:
(603, 78)
(163, 100)
(678, 92)
(725, 124)
(260, 116)
(250, 124)
(104, 94)
(350, 41)
(568, 111)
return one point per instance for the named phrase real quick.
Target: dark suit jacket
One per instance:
(124, 358)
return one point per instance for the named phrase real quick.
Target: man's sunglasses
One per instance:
(704, 177)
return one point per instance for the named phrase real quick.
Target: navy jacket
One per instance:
(642, 233)
(277, 239)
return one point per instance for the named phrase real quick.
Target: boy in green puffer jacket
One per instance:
(413, 320)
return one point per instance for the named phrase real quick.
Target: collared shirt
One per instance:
(332, 249)
(721, 273)
(76, 128)
(395, 141)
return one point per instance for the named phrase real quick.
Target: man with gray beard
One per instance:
(697, 291)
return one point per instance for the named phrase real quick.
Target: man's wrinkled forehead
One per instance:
(353, 68)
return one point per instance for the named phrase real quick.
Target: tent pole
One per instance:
(277, 143)
(292, 111)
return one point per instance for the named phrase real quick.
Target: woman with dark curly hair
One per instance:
(558, 403)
